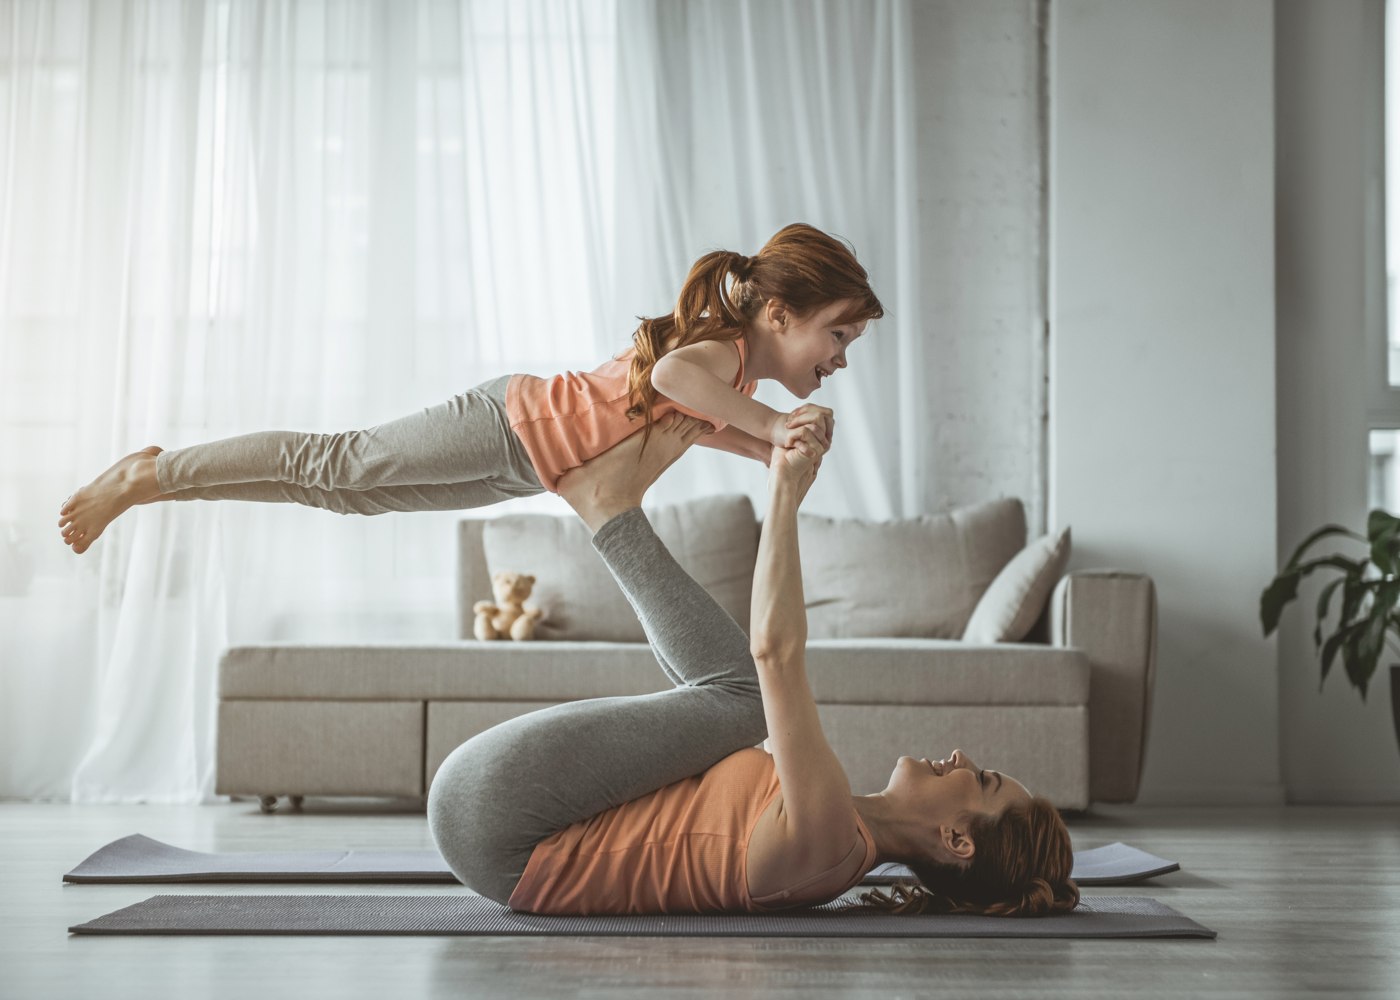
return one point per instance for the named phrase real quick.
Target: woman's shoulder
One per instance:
(781, 874)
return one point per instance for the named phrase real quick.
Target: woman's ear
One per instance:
(955, 845)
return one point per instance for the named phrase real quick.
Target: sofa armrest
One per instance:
(1112, 617)
(473, 578)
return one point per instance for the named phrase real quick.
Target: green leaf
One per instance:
(1384, 530)
(1340, 641)
(1323, 532)
(1324, 600)
(1352, 597)
(1380, 522)
(1284, 587)
(1329, 653)
(1365, 652)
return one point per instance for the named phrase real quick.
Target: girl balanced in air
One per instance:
(788, 314)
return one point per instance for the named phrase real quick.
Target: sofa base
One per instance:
(271, 748)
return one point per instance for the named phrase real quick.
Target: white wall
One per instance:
(1162, 356)
(981, 232)
(1330, 290)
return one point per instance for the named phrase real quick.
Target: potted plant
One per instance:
(1370, 588)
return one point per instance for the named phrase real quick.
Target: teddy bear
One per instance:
(508, 617)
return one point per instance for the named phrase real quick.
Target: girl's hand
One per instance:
(819, 418)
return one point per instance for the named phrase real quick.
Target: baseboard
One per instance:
(1264, 794)
(1332, 794)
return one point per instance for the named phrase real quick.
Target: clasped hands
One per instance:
(806, 438)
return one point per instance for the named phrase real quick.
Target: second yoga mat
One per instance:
(1095, 917)
(141, 859)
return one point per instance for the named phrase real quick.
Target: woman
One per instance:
(663, 804)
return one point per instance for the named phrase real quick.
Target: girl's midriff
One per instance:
(565, 420)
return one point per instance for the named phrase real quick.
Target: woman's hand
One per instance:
(797, 466)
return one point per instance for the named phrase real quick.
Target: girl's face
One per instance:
(813, 348)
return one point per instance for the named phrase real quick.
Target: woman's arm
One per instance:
(817, 820)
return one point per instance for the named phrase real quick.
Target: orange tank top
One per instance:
(680, 849)
(565, 420)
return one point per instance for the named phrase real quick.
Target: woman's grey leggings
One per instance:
(503, 791)
(459, 454)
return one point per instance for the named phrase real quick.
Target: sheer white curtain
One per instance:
(736, 118)
(219, 216)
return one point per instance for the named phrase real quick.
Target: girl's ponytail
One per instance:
(705, 310)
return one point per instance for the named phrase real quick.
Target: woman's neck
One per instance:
(896, 838)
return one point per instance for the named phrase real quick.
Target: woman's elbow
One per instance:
(775, 650)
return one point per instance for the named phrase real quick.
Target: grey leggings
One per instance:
(459, 454)
(503, 791)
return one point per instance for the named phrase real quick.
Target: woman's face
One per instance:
(947, 790)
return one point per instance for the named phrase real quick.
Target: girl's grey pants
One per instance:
(503, 791)
(459, 454)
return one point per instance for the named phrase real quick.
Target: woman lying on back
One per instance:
(662, 803)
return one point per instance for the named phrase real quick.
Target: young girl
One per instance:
(788, 314)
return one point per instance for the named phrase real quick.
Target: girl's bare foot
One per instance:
(616, 480)
(129, 481)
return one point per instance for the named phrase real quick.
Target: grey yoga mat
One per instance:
(1095, 917)
(140, 859)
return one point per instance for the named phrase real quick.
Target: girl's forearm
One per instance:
(738, 442)
(697, 389)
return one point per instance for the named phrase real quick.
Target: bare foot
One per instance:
(616, 480)
(129, 481)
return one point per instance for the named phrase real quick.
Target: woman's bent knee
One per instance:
(471, 828)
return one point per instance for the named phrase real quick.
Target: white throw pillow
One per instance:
(1016, 598)
(919, 577)
(715, 539)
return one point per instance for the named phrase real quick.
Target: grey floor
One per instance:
(1306, 902)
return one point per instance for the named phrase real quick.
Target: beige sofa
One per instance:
(902, 655)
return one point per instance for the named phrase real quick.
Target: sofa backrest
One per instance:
(715, 539)
(918, 577)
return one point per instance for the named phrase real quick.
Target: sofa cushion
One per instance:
(715, 539)
(918, 577)
(843, 671)
(1017, 596)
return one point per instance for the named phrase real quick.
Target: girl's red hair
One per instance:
(801, 266)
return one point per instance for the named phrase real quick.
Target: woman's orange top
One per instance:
(681, 849)
(565, 420)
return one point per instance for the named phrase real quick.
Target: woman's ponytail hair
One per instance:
(1021, 868)
(801, 266)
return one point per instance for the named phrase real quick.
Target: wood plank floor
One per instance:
(1306, 902)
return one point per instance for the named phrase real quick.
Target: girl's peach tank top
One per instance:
(565, 420)
(680, 849)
